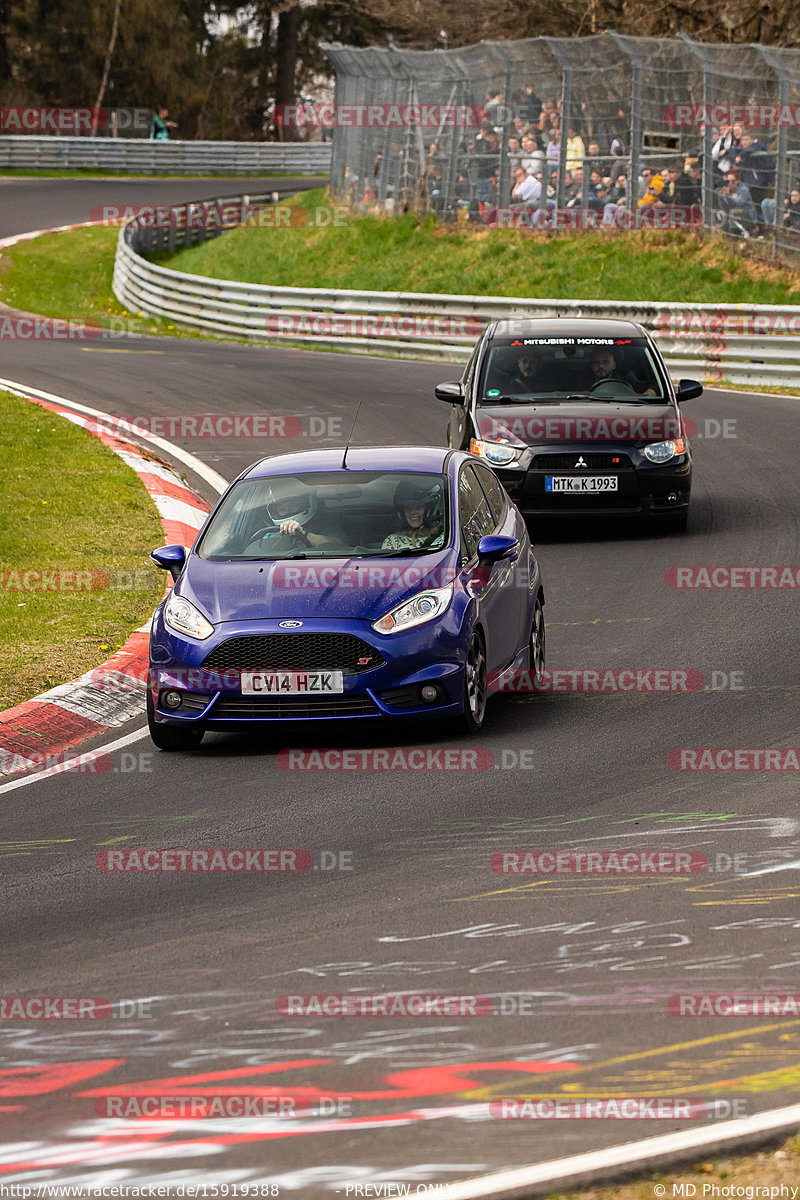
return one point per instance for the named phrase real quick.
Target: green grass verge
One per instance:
(68, 275)
(69, 505)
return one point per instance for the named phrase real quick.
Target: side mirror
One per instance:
(170, 558)
(495, 546)
(688, 389)
(450, 393)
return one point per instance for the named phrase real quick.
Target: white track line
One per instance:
(211, 477)
(517, 1182)
(77, 761)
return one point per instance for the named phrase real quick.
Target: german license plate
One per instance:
(292, 683)
(580, 483)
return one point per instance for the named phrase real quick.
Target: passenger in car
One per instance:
(416, 509)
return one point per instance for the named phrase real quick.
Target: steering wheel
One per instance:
(270, 531)
(613, 384)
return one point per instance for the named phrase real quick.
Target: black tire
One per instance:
(170, 737)
(476, 691)
(538, 642)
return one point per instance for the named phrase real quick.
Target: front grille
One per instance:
(294, 706)
(594, 462)
(294, 652)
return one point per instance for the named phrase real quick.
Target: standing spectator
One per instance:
(160, 126)
(723, 151)
(529, 105)
(554, 145)
(757, 167)
(576, 150)
(486, 153)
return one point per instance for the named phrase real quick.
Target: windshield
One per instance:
(533, 370)
(333, 514)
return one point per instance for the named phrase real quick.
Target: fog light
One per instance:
(429, 693)
(673, 497)
(171, 699)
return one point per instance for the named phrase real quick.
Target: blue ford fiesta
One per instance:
(385, 582)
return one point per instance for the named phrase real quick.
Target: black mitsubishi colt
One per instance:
(577, 417)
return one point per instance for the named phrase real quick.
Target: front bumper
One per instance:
(214, 698)
(643, 488)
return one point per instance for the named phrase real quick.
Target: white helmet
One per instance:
(286, 499)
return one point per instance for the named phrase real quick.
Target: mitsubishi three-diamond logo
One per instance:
(580, 463)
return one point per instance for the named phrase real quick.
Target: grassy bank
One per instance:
(406, 254)
(70, 506)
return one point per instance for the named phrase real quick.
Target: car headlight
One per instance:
(661, 452)
(425, 606)
(183, 617)
(497, 453)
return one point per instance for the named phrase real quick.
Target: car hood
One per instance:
(342, 588)
(554, 424)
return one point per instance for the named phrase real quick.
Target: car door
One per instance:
(517, 603)
(493, 592)
(459, 429)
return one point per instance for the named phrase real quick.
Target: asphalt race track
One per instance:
(408, 1099)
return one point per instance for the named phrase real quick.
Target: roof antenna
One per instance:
(352, 430)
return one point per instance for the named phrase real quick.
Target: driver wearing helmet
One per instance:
(293, 509)
(417, 511)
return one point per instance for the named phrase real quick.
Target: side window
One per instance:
(474, 514)
(469, 370)
(494, 493)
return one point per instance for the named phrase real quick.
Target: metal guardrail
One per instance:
(750, 344)
(144, 156)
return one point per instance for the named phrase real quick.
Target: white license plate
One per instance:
(580, 483)
(292, 683)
